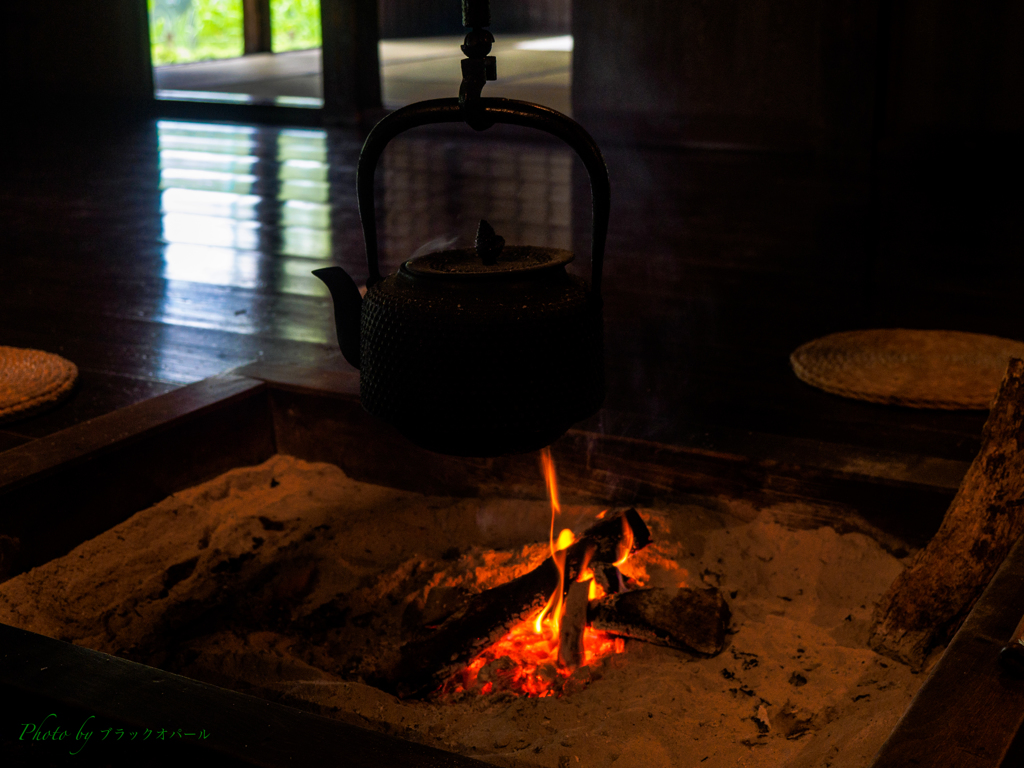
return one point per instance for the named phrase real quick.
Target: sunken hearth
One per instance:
(431, 618)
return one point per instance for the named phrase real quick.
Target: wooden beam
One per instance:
(244, 729)
(967, 713)
(351, 65)
(256, 24)
(317, 418)
(60, 490)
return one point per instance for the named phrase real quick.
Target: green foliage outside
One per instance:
(294, 24)
(194, 30)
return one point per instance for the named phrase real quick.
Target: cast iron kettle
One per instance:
(481, 351)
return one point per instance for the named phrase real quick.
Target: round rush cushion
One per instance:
(32, 380)
(897, 366)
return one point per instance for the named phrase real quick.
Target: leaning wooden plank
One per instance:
(969, 710)
(927, 602)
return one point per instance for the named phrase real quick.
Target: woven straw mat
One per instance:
(31, 381)
(920, 369)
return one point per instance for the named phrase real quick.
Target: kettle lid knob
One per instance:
(488, 244)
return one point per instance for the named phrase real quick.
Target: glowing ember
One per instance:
(525, 661)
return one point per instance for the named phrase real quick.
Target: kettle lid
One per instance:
(489, 257)
(466, 262)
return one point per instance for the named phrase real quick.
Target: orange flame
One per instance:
(525, 660)
(595, 591)
(552, 612)
(565, 539)
(625, 545)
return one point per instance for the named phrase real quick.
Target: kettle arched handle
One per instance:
(489, 111)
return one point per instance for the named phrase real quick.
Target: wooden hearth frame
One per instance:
(61, 490)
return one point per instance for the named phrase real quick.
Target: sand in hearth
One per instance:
(304, 582)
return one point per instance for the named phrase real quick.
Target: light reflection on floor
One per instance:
(248, 210)
(246, 216)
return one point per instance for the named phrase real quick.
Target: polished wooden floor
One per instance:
(157, 253)
(533, 68)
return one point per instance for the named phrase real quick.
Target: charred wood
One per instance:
(487, 616)
(926, 604)
(694, 620)
(573, 623)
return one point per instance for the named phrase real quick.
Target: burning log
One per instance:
(694, 620)
(574, 621)
(488, 615)
(927, 602)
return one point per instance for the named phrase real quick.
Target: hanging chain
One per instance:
(478, 67)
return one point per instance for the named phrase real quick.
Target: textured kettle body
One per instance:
(481, 366)
(484, 351)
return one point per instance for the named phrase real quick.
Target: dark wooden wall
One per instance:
(65, 57)
(735, 71)
(58, 51)
(956, 67)
(423, 18)
(827, 75)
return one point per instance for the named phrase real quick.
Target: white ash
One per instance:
(291, 581)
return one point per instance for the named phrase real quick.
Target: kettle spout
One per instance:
(347, 307)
